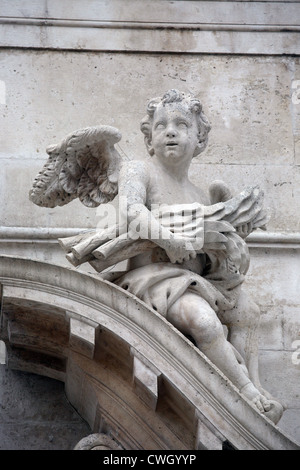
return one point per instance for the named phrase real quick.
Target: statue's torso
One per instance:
(163, 189)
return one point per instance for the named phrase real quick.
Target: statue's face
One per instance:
(174, 133)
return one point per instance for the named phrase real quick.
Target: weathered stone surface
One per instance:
(246, 100)
(36, 415)
(279, 368)
(239, 27)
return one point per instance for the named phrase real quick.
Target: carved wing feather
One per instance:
(236, 211)
(84, 165)
(245, 208)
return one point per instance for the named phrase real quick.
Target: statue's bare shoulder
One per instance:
(134, 181)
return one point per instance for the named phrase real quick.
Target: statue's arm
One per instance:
(134, 184)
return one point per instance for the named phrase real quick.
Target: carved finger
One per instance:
(258, 404)
(266, 404)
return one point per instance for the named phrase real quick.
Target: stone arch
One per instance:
(129, 373)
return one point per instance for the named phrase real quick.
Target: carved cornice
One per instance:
(258, 239)
(96, 321)
(138, 25)
(238, 27)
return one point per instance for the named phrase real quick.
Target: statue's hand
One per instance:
(179, 249)
(244, 230)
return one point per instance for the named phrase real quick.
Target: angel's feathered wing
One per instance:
(84, 165)
(246, 207)
(234, 211)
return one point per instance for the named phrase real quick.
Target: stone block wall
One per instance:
(36, 415)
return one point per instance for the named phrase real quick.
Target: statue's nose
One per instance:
(171, 131)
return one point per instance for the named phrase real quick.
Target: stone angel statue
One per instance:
(186, 250)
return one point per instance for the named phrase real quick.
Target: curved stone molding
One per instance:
(97, 442)
(128, 372)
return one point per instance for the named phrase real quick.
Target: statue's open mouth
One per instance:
(171, 144)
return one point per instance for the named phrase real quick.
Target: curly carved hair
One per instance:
(193, 104)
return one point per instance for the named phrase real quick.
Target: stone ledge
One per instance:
(179, 12)
(284, 41)
(50, 235)
(238, 27)
(136, 25)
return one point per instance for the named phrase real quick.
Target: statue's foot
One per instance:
(270, 408)
(276, 410)
(260, 401)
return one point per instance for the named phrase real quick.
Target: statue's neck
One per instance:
(177, 171)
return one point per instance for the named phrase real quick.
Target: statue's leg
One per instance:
(193, 315)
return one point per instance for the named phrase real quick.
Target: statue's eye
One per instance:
(160, 126)
(182, 125)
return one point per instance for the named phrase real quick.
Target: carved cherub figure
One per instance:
(190, 261)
